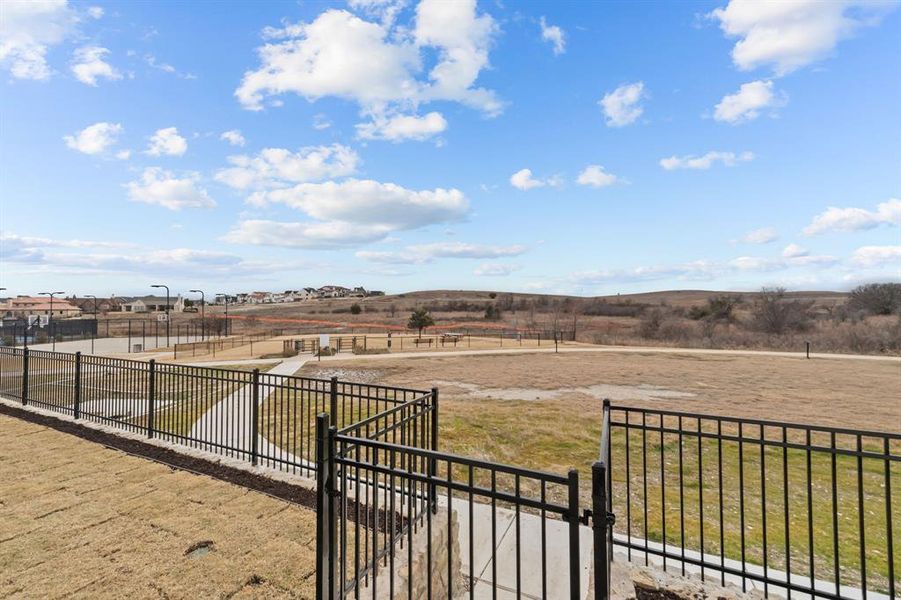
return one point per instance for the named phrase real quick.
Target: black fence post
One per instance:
(333, 400)
(25, 375)
(324, 584)
(254, 418)
(76, 411)
(599, 528)
(573, 519)
(151, 398)
(433, 462)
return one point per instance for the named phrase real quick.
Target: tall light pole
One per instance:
(167, 310)
(202, 313)
(226, 312)
(96, 324)
(3, 289)
(50, 321)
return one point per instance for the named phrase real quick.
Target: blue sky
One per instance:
(588, 148)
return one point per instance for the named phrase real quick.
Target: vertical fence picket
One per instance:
(76, 408)
(151, 397)
(25, 377)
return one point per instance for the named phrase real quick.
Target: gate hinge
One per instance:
(588, 516)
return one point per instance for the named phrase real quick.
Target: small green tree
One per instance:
(355, 309)
(420, 318)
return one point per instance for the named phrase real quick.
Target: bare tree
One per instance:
(773, 313)
(876, 298)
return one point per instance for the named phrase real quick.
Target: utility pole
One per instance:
(96, 323)
(50, 320)
(202, 313)
(167, 310)
(226, 311)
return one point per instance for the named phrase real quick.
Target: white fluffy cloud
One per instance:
(279, 167)
(595, 176)
(233, 137)
(871, 256)
(746, 104)
(304, 235)
(791, 34)
(855, 219)
(729, 159)
(27, 31)
(378, 64)
(402, 127)
(320, 122)
(94, 139)
(164, 188)
(367, 202)
(764, 235)
(523, 180)
(554, 35)
(385, 10)
(89, 65)
(622, 106)
(79, 256)
(425, 253)
(794, 251)
(494, 270)
(167, 142)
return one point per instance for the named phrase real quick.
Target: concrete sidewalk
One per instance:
(228, 424)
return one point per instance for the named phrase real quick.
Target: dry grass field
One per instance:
(81, 520)
(544, 412)
(844, 393)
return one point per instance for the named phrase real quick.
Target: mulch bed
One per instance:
(279, 489)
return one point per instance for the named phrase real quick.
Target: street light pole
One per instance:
(226, 312)
(167, 310)
(96, 323)
(50, 321)
(202, 313)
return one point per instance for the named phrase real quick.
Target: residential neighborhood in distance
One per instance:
(65, 307)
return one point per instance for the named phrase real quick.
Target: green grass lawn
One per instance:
(546, 436)
(779, 493)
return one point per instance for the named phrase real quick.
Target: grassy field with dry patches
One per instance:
(544, 412)
(83, 520)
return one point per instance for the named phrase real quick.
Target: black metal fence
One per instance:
(248, 415)
(789, 509)
(418, 523)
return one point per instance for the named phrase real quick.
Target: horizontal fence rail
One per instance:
(246, 415)
(789, 509)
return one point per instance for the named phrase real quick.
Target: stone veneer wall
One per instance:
(418, 572)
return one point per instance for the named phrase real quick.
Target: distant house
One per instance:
(25, 306)
(310, 293)
(260, 298)
(376, 293)
(146, 304)
(333, 291)
(100, 305)
(358, 292)
(298, 295)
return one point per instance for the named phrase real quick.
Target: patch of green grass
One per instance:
(548, 436)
